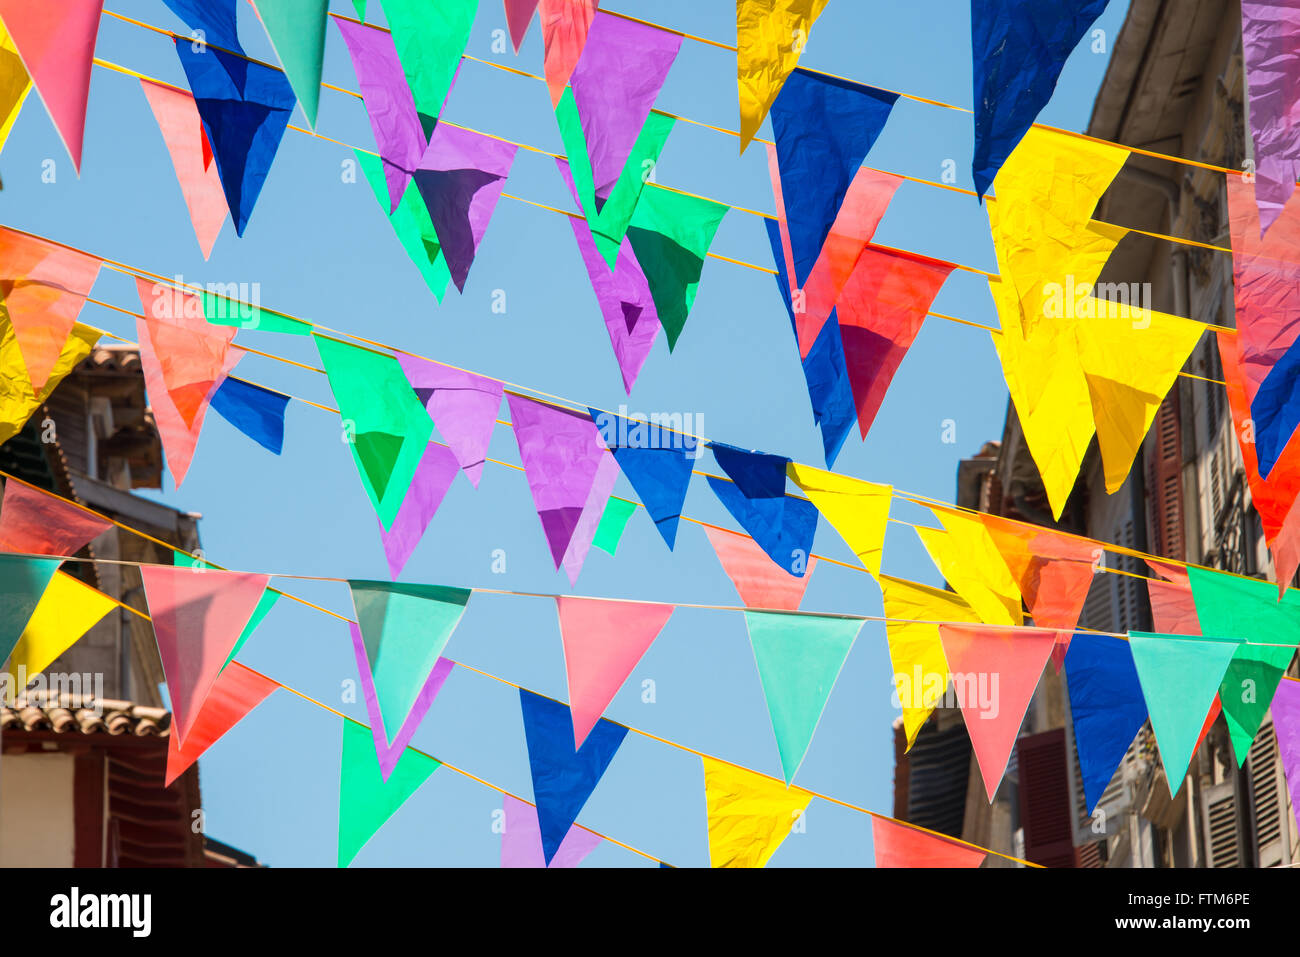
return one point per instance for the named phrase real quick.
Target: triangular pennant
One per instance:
(1173, 609)
(519, 16)
(67, 609)
(966, 554)
(657, 462)
(1180, 678)
(562, 778)
(521, 837)
(34, 522)
(603, 641)
(57, 44)
(366, 799)
(979, 656)
(432, 480)
(858, 510)
(1269, 37)
(564, 32)
(589, 519)
(22, 583)
(265, 603)
(1106, 705)
(404, 628)
(749, 814)
(235, 693)
(360, 7)
(770, 36)
(898, 845)
(15, 84)
(17, 398)
(759, 583)
(411, 224)
(220, 310)
(212, 21)
(756, 474)
(1286, 724)
(799, 658)
(198, 615)
(385, 424)
(430, 39)
(463, 405)
(613, 522)
(256, 411)
(783, 527)
(43, 286)
(296, 29)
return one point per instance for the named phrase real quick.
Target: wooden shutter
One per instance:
(1268, 794)
(1045, 812)
(1165, 480)
(1219, 811)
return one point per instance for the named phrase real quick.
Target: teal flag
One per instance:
(361, 9)
(1180, 677)
(411, 223)
(430, 39)
(613, 521)
(799, 657)
(22, 583)
(220, 310)
(264, 604)
(366, 800)
(297, 32)
(384, 422)
(404, 628)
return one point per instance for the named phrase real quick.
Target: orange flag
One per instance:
(237, 691)
(898, 845)
(564, 31)
(760, 582)
(38, 523)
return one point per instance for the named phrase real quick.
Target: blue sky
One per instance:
(321, 249)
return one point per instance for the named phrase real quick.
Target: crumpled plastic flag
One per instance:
(57, 44)
(756, 474)
(22, 583)
(265, 603)
(770, 35)
(521, 834)
(245, 108)
(564, 32)
(1270, 35)
(255, 411)
(35, 522)
(613, 522)
(657, 463)
(1018, 48)
(562, 778)
(411, 224)
(1286, 724)
(782, 525)
(749, 814)
(17, 398)
(897, 845)
(969, 559)
(236, 692)
(296, 29)
(15, 84)
(430, 39)
(366, 798)
(215, 20)
(858, 510)
(67, 609)
(757, 581)
(463, 405)
(432, 480)
(1106, 705)
(360, 7)
(519, 16)
(404, 630)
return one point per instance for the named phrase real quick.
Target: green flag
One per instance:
(612, 523)
(1232, 607)
(671, 234)
(799, 657)
(430, 39)
(404, 629)
(1179, 677)
(222, 310)
(361, 9)
(263, 605)
(411, 223)
(297, 32)
(384, 422)
(366, 800)
(22, 583)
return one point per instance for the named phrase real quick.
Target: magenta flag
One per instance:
(521, 840)
(463, 405)
(433, 477)
(1286, 724)
(519, 15)
(593, 510)
(1270, 40)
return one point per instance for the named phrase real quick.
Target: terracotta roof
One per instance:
(36, 711)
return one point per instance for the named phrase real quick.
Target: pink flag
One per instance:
(519, 14)
(760, 582)
(33, 522)
(898, 845)
(43, 286)
(237, 691)
(196, 170)
(463, 405)
(564, 29)
(1270, 38)
(56, 42)
(198, 614)
(603, 641)
(521, 840)
(995, 671)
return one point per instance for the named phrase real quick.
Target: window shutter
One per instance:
(1219, 811)
(1045, 805)
(1165, 480)
(1268, 793)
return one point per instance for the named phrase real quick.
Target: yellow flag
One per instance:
(749, 814)
(770, 35)
(17, 401)
(68, 609)
(858, 510)
(915, 647)
(967, 555)
(15, 84)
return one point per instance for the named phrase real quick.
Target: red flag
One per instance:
(519, 14)
(898, 845)
(37, 523)
(564, 30)
(760, 582)
(236, 692)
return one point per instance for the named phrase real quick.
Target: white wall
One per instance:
(36, 810)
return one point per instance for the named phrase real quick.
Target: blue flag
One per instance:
(824, 128)
(756, 474)
(1276, 409)
(562, 778)
(1018, 48)
(253, 410)
(1107, 704)
(245, 108)
(783, 527)
(215, 18)
(655, 461)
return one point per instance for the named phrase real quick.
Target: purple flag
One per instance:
(1286, 723)
(463, 406)
(619, 75)
(460, 178)
(593, 510)
(1270, 38)
(521, 841)
(433, 477)
(562, 452)
(390, 754)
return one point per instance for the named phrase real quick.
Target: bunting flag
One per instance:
(236, 692)
(1286, 724)
(967, 555)
(603, 641)
(15, 84)
(196, 171)
(1106, 706)
(245, 108)
(749, 814)
(43, 286)
(824, 127)
(57, 44)
(411, 224)
(463, 405)
(759, 584)
(213, 21)
(916, 647)
(756, 474)
(1018, 48)
(198, 615)
(593, 512)
(22, 583)
(67, 609)
(429, 486)
(657, 465)
(34, 522)
(384, 423)
(222, 310)
(799, 658)
(519, 16)
(360, 6)
(404, 629)
(770, 36)
(184, 560)
(564, 32)
(1180, 677)
(562, 778)
(253, 410)
(17, 398)
(430, 39)
(367, 799)
(390, 754)
(296, 29)
(460, 179)
(898, 845)
(783, 526)
(671, 233)
(521, 836)
(979, 656)
(858, 510)
(1173, 609)
(613, 522)
(1270, 35)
